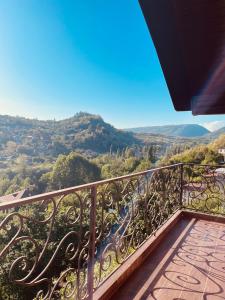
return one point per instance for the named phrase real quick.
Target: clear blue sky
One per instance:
(58, 57)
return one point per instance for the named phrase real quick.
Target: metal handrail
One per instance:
(66, 191)
(111, 211)
(133, 195)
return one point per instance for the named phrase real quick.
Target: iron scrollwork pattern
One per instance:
(44, 248)
(204, 188)
(129, 211)
(64, 244)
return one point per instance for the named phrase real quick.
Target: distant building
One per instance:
(220, 171)
(222, 151)
(15, 196)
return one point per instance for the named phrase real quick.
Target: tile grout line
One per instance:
(209, 266)
(193, 221)
(170, 252)
(189, 273)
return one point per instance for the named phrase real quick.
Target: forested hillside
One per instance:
(200, 154)
(42, 141)
(33, 153)
(47, 139)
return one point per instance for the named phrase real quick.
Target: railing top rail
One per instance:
(64, 192)
(203, 165)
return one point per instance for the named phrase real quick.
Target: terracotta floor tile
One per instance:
(190, 264)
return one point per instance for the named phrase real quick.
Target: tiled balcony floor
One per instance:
(188, 264)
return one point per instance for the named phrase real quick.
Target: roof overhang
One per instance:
(189, 37)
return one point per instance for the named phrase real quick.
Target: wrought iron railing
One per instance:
(204, 188)
(64, 244)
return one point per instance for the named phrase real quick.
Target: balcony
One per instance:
(187, 264)
(157, 234)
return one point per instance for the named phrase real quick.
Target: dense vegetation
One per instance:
(48, 155)
(45, 140)
(29, 151)
(74, 169)
(37, 154)
(40, 142)
(201, 154)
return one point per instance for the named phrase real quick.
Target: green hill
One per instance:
(186, 130)
(215, 134)
(38, 142)
(84, 132)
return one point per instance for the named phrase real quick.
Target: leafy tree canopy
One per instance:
(70, 170)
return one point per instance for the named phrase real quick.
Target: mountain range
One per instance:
(184, 130)
(42, 141)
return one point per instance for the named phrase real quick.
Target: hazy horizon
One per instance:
(211, 126)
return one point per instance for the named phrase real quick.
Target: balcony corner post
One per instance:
(91, 254)
(181, 184)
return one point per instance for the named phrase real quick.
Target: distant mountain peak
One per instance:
(182, 130)
(83, 114)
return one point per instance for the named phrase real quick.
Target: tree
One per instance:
(200, 155)
(144, 165)
(70, 170)
(218, 143)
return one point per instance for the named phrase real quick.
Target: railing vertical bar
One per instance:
(181, 184)
(90, 282)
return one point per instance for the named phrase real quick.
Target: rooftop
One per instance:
(189, 39)
(15, 196)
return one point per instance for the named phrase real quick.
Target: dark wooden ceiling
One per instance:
(189, 36)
